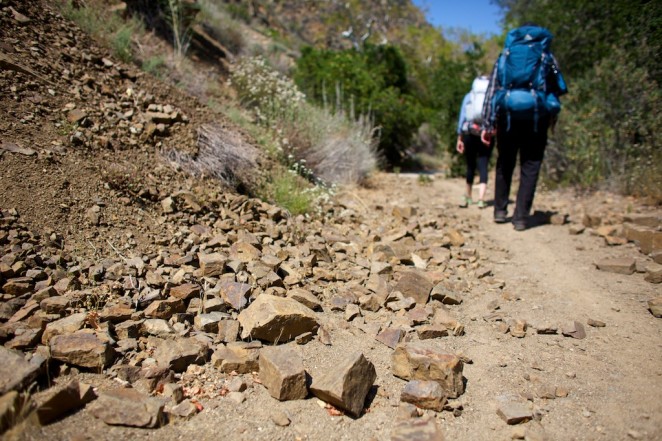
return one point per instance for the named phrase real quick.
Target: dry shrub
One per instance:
(339, 151)
(335, 148)
(222, 155)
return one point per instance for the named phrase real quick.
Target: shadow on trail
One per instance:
(539, 218)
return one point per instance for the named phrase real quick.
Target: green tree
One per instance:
(371, 81)
(609, 132)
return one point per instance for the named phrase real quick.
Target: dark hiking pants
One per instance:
(530, 143)
(478, 156)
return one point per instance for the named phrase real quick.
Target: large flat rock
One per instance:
(276, 319)
(84, 349)
(128, 407)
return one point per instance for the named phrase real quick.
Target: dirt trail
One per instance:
(604, 387)
(614, 376)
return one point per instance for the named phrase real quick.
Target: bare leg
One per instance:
(482, 189)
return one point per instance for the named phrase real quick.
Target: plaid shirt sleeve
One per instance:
(489, 115)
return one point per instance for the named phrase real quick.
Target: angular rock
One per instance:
(391, 337)
(415, 285)
(276, 319)
(574, 330)
(235, 294)
(514, 412)
(420, 361)
(518, 328)
(212, 264)
(306, 298)
(157, 327)
(424, 394)
(427, 332)
(443, 317)
(596, 323)
(240, 357)
(186, 291)
(25, 338)
(15, 372)
(282, 373)
(418, 429)
(25, 312)
(18, 286)
(228, 331)
(185, 409)
(65, 325)
(648, 238)
(128, 407)
(346, 384)
(128, 329)
(178, 354)
(280, 418)
(209, 322)
(84, 349)
(647, 220)
(244, 252)
(55, 305)
(558, 219)
(456, 238)
(591, 220)
(117, 313)
(352, 311)
(164, 309)
(446, 296)
(623, 265)
(60, 402)
(655, 306)
(653, 273)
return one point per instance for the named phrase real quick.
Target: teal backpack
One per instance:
(529, 81)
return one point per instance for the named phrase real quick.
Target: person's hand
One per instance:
(460, 145)
(486, 137)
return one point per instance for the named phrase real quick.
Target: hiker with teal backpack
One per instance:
(521, 103)
(469, 144)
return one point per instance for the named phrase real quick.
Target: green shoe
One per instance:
(465, 202)
(481, 204)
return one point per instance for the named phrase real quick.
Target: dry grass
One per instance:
(222, 155)
(340, 151)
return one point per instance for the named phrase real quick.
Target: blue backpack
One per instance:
(529, 79)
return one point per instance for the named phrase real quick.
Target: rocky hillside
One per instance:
(134, 295)
(339, 24)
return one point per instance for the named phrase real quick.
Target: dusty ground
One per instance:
(613, 377)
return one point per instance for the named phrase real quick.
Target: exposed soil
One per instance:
(542, 275)
(605, 386)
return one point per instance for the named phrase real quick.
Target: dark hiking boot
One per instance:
(500, 217)
(519, 225)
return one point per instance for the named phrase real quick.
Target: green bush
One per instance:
(154, 65)
(121, 43)
(609, 131)
(334, 148)
(372, 81)
(109, 28)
